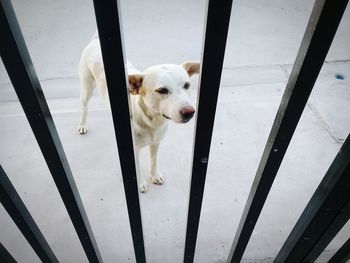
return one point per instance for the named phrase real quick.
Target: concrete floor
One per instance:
(262, 44)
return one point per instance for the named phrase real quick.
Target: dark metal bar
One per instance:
(320, 31)
(326, 213)
(20, 69)
(217, 24)
(5, 256)
(20, 215)
(342, 255)
(111, 39)
(332, 230)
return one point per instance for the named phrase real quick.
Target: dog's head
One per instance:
(164, 89)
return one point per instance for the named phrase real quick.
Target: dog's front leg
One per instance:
(143, 186)
(156, 177)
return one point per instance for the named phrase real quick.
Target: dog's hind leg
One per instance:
(156, 177)
(87, 88)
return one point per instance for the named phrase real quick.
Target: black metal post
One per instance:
(326, 213)
(342, 255)
(20, 69)
(217, 24)
(5, 256)
(111, 39)
(332, 230)
(320, 31)
(20, 215)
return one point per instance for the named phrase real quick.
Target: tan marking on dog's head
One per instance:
(135, 83)
(191, 67)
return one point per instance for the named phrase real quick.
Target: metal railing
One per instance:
(327, 211)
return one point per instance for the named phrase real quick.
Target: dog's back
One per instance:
(92, 57)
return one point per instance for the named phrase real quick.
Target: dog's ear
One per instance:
(135, 83)
(191, 67)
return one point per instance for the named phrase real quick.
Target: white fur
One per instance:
(149, 108)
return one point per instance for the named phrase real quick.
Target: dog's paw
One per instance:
(158, 179)
(82, 129)
(143, 187)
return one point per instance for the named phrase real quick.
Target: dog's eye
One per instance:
(187, 85)
(162, 91)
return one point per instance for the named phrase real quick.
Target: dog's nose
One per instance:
(187, 112)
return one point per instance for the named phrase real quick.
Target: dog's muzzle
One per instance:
(166, 117)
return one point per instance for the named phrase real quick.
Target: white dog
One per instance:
(160, 94)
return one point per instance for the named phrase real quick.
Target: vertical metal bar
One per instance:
(111, 39)
(20, 69)
(5, 256)
(326, 213)
(15, 207)
(320, 31)
(217, 24)
(342, 255)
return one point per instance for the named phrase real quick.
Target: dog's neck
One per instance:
(151, 117)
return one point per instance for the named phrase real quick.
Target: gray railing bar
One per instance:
(20, 215)
(5, 256)
(217, 24)
(326, 213)
(20, 69)
(111, 39)
(320, 31)
(342, 255)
